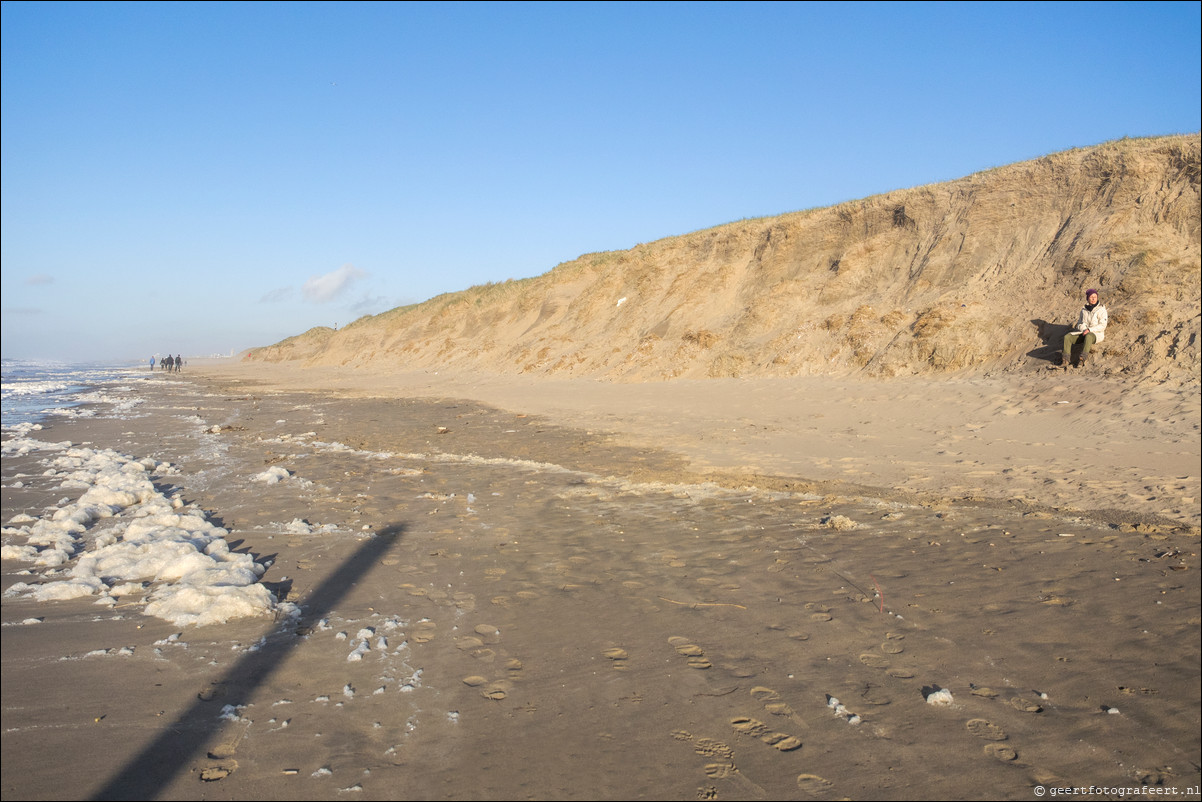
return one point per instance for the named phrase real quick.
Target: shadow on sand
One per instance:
(152, 770)
(1051, 335)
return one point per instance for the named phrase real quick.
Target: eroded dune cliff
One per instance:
(979, 274)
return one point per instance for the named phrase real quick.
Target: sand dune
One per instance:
(979, 275)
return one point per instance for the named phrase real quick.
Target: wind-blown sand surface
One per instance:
(728, 589)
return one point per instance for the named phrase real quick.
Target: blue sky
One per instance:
(201, 178)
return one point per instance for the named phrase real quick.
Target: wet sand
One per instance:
(571, 590)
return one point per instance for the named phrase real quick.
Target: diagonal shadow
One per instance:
(155, 767)
(1051, 337)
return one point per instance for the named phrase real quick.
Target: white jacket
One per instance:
(1094, 321)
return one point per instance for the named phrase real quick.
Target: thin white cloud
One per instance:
(277, 295)
(39, 280)
(369, 305)
(321, 289)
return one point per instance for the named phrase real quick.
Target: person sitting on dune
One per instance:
(1090, 329)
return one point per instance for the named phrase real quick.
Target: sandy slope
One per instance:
(985, 273)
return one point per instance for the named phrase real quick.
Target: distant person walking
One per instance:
(179, 363)
(168, 363)
(1090, 329)
(152, 363)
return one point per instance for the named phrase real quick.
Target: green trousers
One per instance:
(1071, 339)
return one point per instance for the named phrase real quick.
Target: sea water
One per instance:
(118, 531)
(32, 391)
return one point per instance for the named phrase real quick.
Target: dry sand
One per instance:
(590, 590)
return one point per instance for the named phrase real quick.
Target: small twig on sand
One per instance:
(702, 604)
(732, 689)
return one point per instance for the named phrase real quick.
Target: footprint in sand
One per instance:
(775, 704)
(720, 771)
(782, 741)
(495, 690)
(218, 772)
(765, 695)
(871, 694)
(987, 730)
(748, 726)
(691, 651)
(745, 725)
(874, 660)
(467, 643)
(227, 748)
(710, 747)
(1001, 752)
(1025, 705)
(488, 632)
(424, 631)
(739, 670)
(892, 647)
(489, 690)
(819, 612)
(209, 693)
(724, 767)
(618, 656)
(813, 785)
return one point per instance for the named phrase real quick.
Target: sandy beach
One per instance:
(512, 588)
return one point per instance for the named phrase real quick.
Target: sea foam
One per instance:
(122, 534)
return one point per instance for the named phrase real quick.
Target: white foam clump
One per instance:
(299, 526)
(232, 713)
(271, 475)
(841, 711)
(130, 533)
(941, 697)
